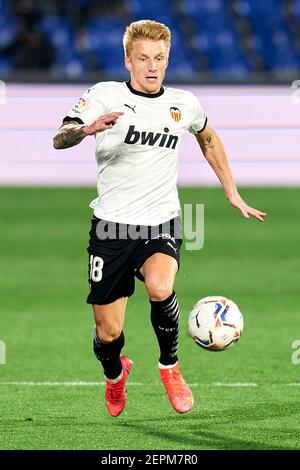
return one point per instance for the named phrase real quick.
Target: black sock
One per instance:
(165, 322)
(109, 355)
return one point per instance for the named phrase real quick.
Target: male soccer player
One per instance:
(138, 126)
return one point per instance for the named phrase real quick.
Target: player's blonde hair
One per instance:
(146, 29)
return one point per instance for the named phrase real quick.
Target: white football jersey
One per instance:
(138, 158)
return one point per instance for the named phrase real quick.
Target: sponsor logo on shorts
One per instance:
(165, 236)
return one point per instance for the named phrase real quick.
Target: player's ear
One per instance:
(128, 63)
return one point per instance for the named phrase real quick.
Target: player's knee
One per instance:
(159, 289)
(109, 333)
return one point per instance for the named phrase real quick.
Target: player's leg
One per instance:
(109, 338)
(111, 280)
(108, 342)
(159, 272)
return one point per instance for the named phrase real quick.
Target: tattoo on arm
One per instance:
(208, 143)
(68, 135)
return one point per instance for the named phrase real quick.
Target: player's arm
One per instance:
(214, 152)
(72, 133)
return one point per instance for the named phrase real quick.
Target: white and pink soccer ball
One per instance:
(215, 323)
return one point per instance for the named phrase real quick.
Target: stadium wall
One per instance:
(259, 126)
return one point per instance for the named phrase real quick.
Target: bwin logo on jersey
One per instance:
(151, 138)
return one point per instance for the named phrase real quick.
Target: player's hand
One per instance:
(247, 211)
(102, 123)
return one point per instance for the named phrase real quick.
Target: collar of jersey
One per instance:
(146, 95)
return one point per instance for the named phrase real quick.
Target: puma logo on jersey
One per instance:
(150, 138)
(132, 108)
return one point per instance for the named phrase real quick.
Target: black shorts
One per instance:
(118, 251)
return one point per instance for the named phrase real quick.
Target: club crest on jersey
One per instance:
(80, 105)
(175, 113)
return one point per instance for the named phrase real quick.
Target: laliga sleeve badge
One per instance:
(80, 106)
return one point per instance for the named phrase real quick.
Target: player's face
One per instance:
(147, 65)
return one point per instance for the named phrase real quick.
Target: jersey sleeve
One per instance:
(88, 108)
(199, 119)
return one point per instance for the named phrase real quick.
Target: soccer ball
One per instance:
(215, 323)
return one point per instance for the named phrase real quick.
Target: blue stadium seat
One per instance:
(8, 30)
(59, 30)
(296, 8)
(106, 33)
(204, 9)
(231, 70)
(70, 63)
(158, 10)
(6, 65)
(274, 37)
(5, 8)
(151, 9)
(106, 42)
(180, 71)
(259, 10)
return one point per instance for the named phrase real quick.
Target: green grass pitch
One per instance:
(47, 329)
